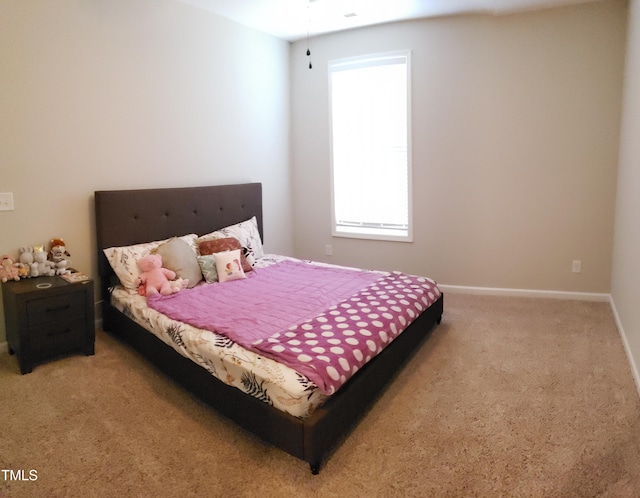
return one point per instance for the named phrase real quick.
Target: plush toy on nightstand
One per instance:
(23, 271)
(154, 277)
(45, 268)
(59, 255)
(8, 269)
(25, 262)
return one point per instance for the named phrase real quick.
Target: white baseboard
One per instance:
(496, 291)
(625, 343)
(4, 347)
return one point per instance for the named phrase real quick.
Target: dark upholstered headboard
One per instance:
(126, 217)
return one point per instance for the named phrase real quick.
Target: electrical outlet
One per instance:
(576, 266)
(6, 201)
(328, 250)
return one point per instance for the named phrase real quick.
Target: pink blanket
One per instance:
(323, 322)
(269, 300)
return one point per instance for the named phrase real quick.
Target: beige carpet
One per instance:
(508, 397)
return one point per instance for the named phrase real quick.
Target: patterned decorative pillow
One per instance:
(246, 233)
(208, 268)
(179, 257)
(124, 259)
(224, 244)
(228, 266)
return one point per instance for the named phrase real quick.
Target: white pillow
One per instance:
(228, 265)
(246, 233)
(124, 260)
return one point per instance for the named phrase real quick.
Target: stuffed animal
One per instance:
(154, 277)
(176, 286)
(58, 243)
(8, 269)
(25, 261)
(23, 271)
(59, 260)
(44, 267)
(59, 255)
(179, 283)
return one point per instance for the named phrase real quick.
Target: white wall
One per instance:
(134, 94)
(515, 133)
(625, 286)
(515, 146)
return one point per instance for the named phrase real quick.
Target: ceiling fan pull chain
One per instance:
(308, 35)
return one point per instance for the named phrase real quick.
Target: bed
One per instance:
(127, 217)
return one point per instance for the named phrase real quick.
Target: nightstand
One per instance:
(47, 317)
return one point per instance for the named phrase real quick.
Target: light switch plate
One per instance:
(6, 201)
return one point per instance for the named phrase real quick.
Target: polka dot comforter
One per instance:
(324, 322)
(332, 346)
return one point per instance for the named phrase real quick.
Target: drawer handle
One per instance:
(58, 332)
(58, 308)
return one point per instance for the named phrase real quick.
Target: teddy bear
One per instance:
(8, 269)
(154, 277)
(59, 255)
(44, 267)
(58, 243)
(58, 258)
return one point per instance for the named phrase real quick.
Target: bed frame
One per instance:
(126, 217)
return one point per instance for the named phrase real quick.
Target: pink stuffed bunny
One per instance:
(154, 277)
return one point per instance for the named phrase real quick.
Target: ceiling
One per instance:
(295, 19)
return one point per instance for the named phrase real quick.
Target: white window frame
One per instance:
(364, 232)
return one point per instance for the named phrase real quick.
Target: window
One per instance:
(371, 160)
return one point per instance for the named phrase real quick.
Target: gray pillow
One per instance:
(179, 257)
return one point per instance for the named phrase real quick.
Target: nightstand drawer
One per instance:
(52, 335)
(55, 308)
